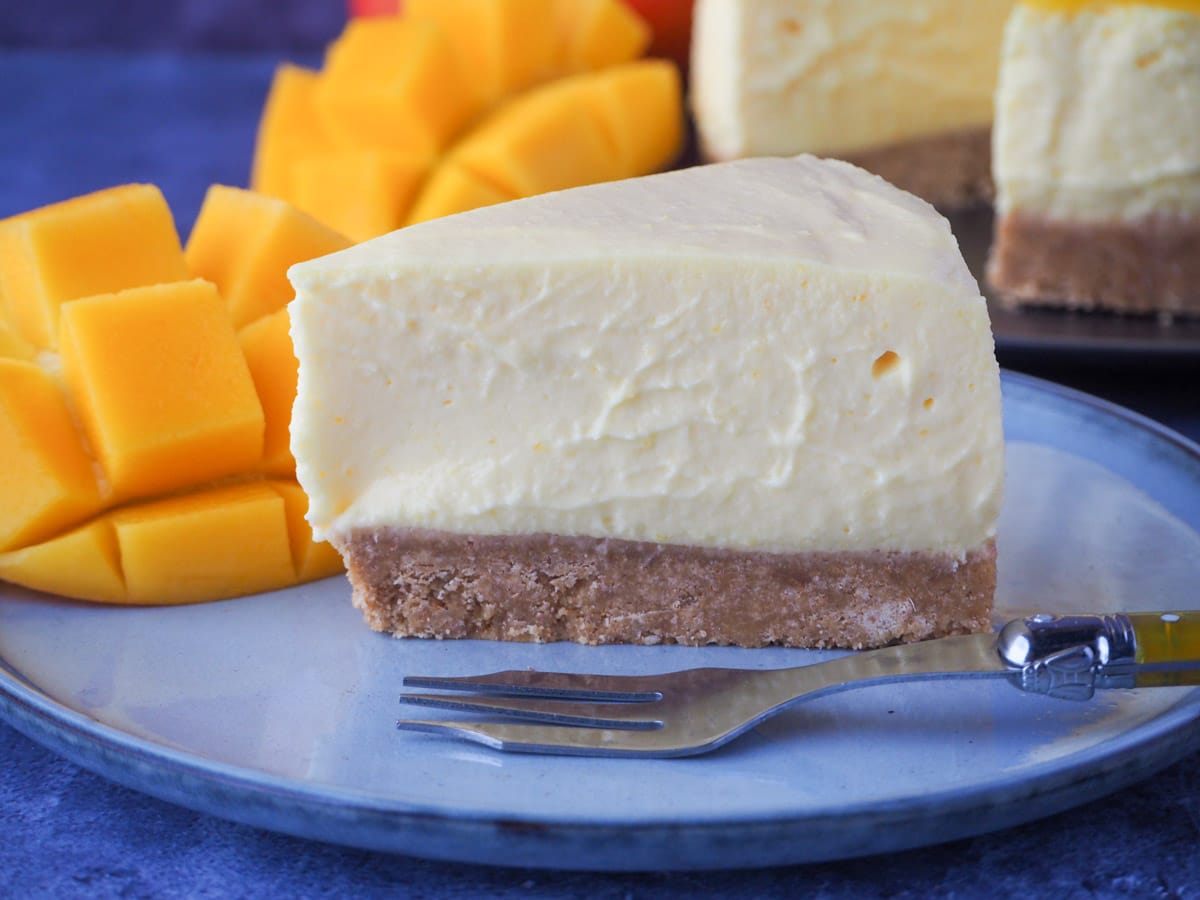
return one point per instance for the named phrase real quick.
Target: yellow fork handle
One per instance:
(1167, 639)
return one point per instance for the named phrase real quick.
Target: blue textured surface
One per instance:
(74, 123)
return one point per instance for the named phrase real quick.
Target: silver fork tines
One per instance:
(674, 713)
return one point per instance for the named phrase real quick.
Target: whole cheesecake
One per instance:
(901, 87)
(747, 403)
(1097, 157)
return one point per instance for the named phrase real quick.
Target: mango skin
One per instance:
(145, 446)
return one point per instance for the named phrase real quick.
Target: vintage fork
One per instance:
(696, 710)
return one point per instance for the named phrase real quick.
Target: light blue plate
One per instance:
(277, 710)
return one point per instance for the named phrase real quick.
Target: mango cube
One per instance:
(98, 243)
(12, 346)
(546, 140)
(287, 131)
(452, 189)
(83, 563)
(596, 34)
(313, 560)
(362, 194)
(267, 346)
(47, 481)
(244, 243)
(163, 390)
(393, 84)
(506, 45)
(639, 106)
(219, 542)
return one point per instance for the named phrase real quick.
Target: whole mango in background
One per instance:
(456, 104)
(145, 397)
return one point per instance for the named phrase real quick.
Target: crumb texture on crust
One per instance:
(952, 171)
(603, 591)
(1152, 265)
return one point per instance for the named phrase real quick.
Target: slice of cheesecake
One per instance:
(901, 87)
(1097, 157)
(746, 403)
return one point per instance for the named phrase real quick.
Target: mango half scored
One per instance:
(145, 398)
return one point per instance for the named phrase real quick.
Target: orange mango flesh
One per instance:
(84, 564)
(393, 84)
(596, 34)
(244, 243)
(285, 132)
(456, 104)
(453, 189)
(146, 447)
(70, 250)
(46, 481)
(360, 193)
(506, 45)
(164, 392)
(544, 141)
(639, 109)
(267, 346)
(12, 346)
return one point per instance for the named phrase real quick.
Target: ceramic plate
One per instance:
(1058, 336)
(278, 710)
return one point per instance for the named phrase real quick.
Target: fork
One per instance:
(694, 711)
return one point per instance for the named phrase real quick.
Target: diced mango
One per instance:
(313, 560)
(393, 84)
(596, 34)
(288, 130)
(220, 542)
(164, 392)
(273, 366)
(452, 189)
(639, 107)
(361, 194)
(12, 346)
(46, 481)
(546, 140)
(107, 241)
(83, 563)
(505, 45)
(244, 243)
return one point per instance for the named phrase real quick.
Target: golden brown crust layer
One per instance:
(1152, 265)
(952, 171)
(597, 591)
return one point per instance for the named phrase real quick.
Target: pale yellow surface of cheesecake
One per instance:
(1098, 112)
(836, 77)
(771, 354)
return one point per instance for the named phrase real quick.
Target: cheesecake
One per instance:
(1097, 157)
(902, 87)
(747, 403)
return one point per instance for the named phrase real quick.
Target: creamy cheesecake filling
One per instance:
(1097, 157)
(770, 356)
(1097, 113)
(835, 77)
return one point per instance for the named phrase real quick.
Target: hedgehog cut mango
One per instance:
(531, 96)
(145, 444)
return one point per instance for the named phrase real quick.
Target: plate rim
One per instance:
(536, 840)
